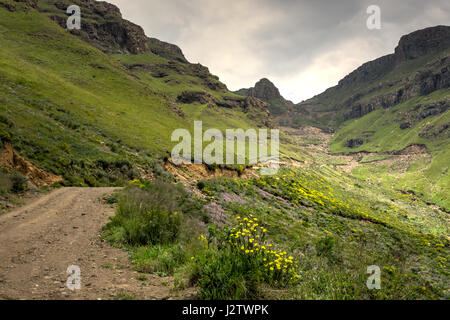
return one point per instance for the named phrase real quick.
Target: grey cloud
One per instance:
(303, 46)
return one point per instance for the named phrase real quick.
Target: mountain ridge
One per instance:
(425, 52)
(266, 91)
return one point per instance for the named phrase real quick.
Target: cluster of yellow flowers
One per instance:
(316, 191)
(137, 183)
(248, 238)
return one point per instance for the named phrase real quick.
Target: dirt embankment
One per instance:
(42, 239)
(12, 161)
(194, 172)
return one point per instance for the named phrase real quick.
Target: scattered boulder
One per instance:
(354, 143)
(201, 97)
(175, 108)
(405, 125)
(29, 3)
(9, 6)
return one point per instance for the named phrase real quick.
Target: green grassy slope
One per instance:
(69, 107)
(333, 226)
(380, 132)
(328, 110)
(96, 119)
(389, 104)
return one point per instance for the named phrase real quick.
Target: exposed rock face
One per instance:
(411, 46)
(423, 82)
(255, 108)
(30, 3)
(195, 96)
(176, 109)
(11, 6)
(11, 160)
(166, 50)
(104, 27)
(422, 111)
(419, 66)
(422, 42)
(266, 91)
(354, 143)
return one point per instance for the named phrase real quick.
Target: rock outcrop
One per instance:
(104, 27)
(419, 66)
(255, 108)
(166, 50)
(201, 97)
(266, 91)
(411, 46)
(434, 77)
(422, 42)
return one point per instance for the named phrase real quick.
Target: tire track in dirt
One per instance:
(39, 241)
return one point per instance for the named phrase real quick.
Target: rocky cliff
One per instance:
(102, 26)
(266, 91)
(419, 66)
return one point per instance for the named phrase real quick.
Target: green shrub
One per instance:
(161, 259)
(4, 136)
(19, 182)
(150, 213)
(112, 199)
(212, 167)
(201, 185)
(240, 170)
(5, 183)
(64, 147)
(152, 226)
(235, 263)
(222, 276)
(325, 245)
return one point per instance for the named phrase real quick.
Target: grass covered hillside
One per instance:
(97, 106)
(420, 121)
(418, 67)
(305, 233)
(390, 104)
(75, 111)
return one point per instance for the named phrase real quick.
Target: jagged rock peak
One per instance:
(422, 42)
(264, 89)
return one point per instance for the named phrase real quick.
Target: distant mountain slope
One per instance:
(99, 118)
(393, 102)
(265, 90)
(419, 66)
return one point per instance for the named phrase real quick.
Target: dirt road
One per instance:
(40, 240)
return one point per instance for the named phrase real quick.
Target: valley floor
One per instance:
(43, 238)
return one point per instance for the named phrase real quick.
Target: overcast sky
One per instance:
(303, 46)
